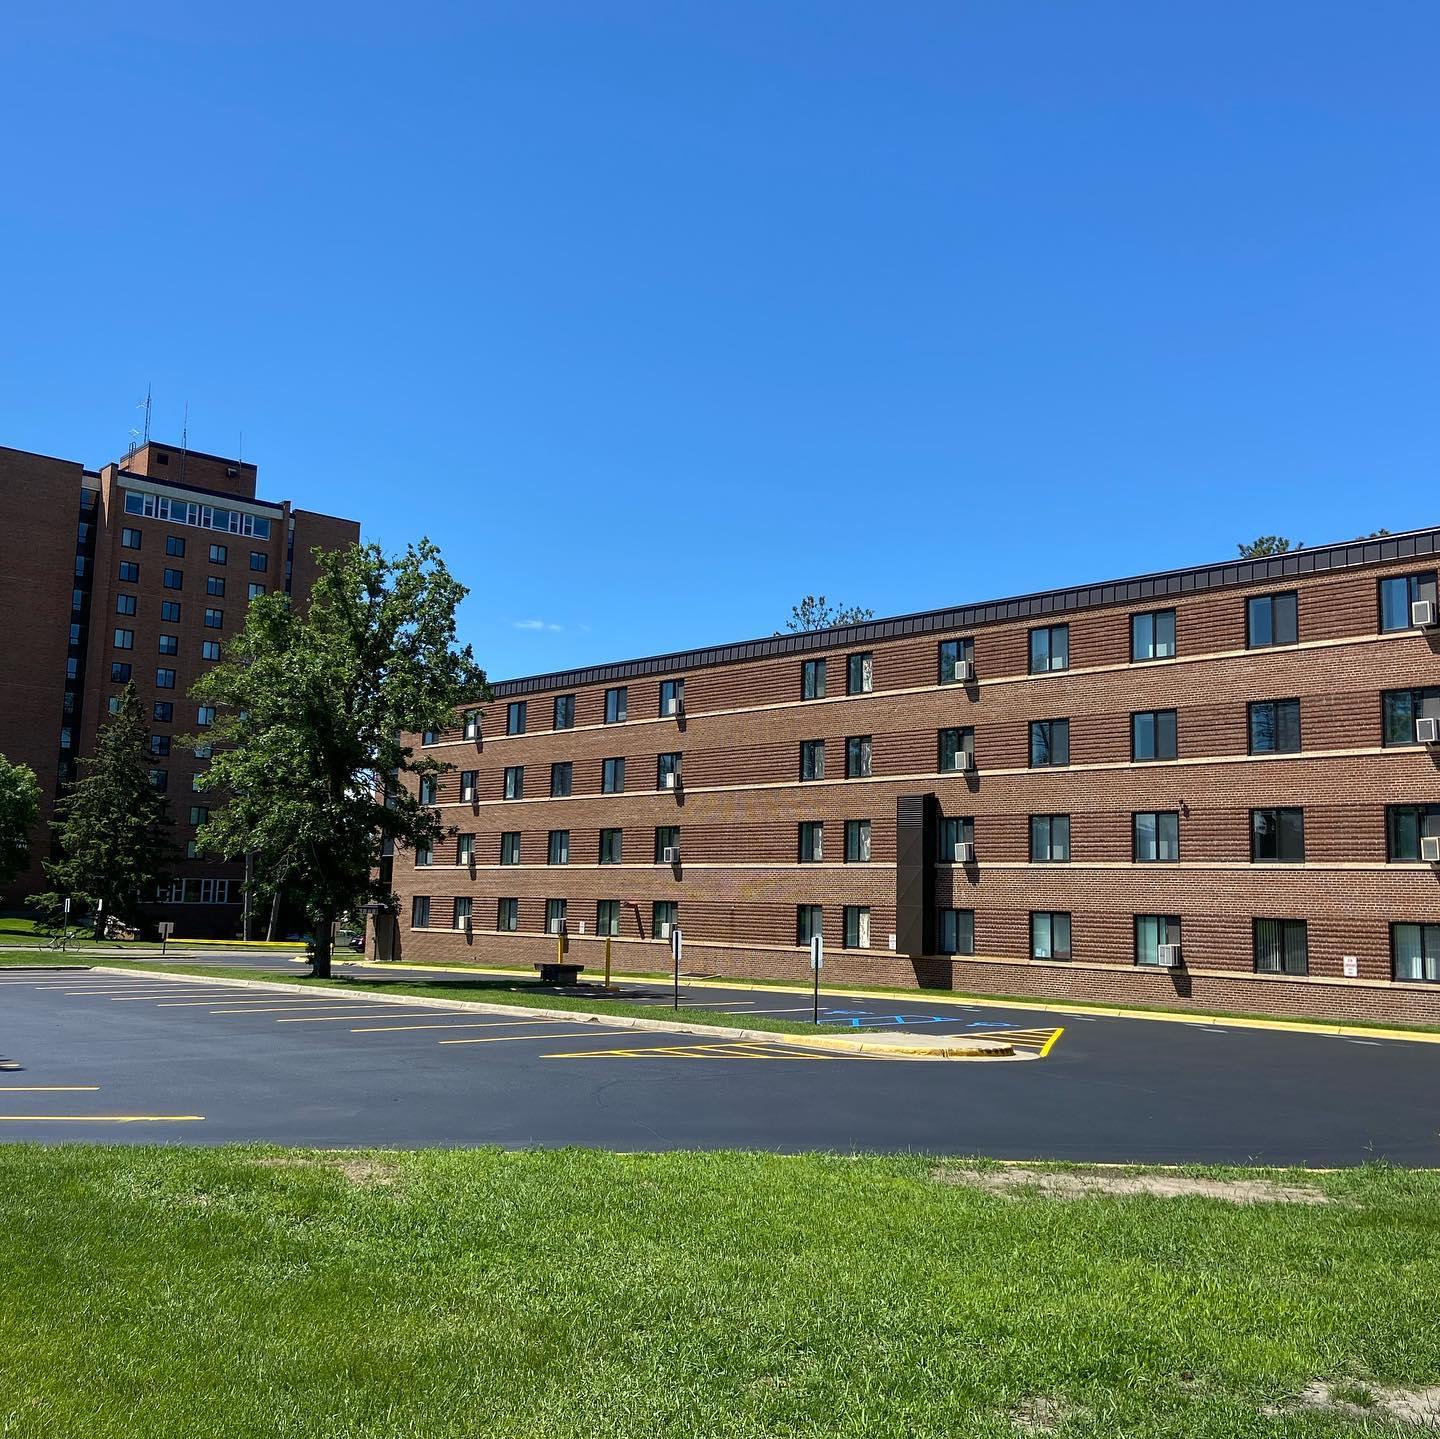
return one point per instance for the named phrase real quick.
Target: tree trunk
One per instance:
(274, 916)
(320, 955)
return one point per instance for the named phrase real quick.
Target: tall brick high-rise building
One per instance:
(139, 571)
(1216, 787)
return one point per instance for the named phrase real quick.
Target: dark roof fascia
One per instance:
(1166, 584)
(124, 475)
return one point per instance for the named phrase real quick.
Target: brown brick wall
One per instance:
(742, 801)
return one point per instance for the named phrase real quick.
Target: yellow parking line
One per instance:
(97, 1118)
(48, 1088)
(501, 1038)
(462, 1024)
(1050, 1043)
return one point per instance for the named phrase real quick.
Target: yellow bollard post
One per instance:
(607, 961)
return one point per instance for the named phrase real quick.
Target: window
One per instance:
(429, 736)
(203, 751)
(192, 849)
(955, 835)
(808, 922)
(663, 915)
(1049, 838)
(462, 913)
(617, 704)
(554, 915)
(169, 644)
(259, 561)
(129, 573)
(857, 757)
(510, 847)
(1151, 931)
(1049, 934)
(215, 585)
(1281, 947)
(472, 724)
(1152, 635)
(205, 716)
(1049, 649)
(80, 566)
(1405, 824)
(957, 750)
(175, 545)
(160, 744)
(857, 926)
(1277, 835)
(515, 717)
(611, 845)
(1415, 952)
(812, 759)
(124, 604)
(1157, 836)
(130, 539)
(255, 591)
(667, 771)
(812, 842)
(672, 697)
(857, 841)
(956, 656)
(562, 777)
(160, 779)
(667, 836)
(812, 680)
(75, 635)
(1401, 708)
(219, 554)
(77, 600)
(1399, 593)
(67, 704)
(164, 711)
(209, 649)
(607, 916)
(860, 674)
(173, 579)
(559, 848)
(199, 814)
(124, 639)
(429, 787)
(424, 857)
(564, 711)
(612, 776)
(170, 611)
(1049, 743)
(507, 915)
(515, 781)
(1271, 620)
(214, 619)
(120, 674)
(197, 783)
(420, 912)
(957, 931)
(1275, 727)
(469, 785)
(1152, 735)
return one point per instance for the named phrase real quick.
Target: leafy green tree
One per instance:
(1257, 549)
(19, 814)
(113, 824)
(815, 613)
(308, 755)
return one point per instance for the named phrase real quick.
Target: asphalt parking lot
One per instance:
(169, 1059)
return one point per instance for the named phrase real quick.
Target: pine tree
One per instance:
(113, 824)
(19, 813)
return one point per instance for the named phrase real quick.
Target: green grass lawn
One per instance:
(261, 1292)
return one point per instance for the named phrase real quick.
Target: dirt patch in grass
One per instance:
(1417, 1407)
(364, 1171)
(1079, 1184)
(1041, 1414)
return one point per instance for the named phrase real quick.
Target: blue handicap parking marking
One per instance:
(861, 1020)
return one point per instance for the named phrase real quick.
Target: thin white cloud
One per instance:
(535, 625)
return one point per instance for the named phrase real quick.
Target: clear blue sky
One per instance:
(658, 315)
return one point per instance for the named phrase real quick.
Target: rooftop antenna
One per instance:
(184, 441)
(135, 435)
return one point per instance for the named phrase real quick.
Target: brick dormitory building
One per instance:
(138, 572)
(1215, 787)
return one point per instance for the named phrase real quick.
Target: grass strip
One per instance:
(154, 1292)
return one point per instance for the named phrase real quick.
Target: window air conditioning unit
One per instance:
(665, 930)
(964, 671)
(1422, 613)
(467, 795)
(671, 854)
(667, 780)
(1168, 955)
(964, 759)
(557, 926)
(1427, 731)
(675, 706)
(1430, 848)
(964, 854)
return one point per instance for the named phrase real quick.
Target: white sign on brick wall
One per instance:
(1352, 966)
